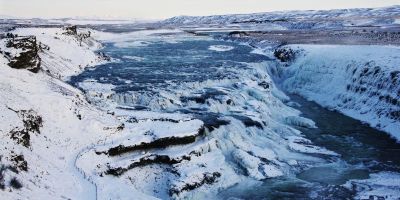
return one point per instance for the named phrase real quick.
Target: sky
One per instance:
(159, 9)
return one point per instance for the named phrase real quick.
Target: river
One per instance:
(149, 70)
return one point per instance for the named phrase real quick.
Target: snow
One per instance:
(252, 165)
(261, 149)
(68, 159)
(380, 185)
(220, 48)
(305, 146)
(93, 85)
(51, 170)
(355, 80)
(131, 44)
(66, 56)
(51, 156)
(300, 121)
(284, 20)
(135, 58)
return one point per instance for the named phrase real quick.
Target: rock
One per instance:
(285, 54)
(264, 84)
(159, 143)
(15, 183)
(19, 162)
(70, 30)
(32, 123)
(27, 59)
(238, 34)
(208, 178)
(21, 136)
(146, 160)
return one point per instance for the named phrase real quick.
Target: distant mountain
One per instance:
(291, 19)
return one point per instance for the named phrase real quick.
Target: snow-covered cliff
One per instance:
(45, 122)
(361, 81)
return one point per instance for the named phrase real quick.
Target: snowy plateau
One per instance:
(280, 105)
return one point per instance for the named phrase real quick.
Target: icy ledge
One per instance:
(362, 82)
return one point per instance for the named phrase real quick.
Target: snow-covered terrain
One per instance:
(195, 138)
(100, 161)
(283, 20)
(361, 81)
(46, 122)
(384, 184)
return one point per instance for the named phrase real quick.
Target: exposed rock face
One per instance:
(360, 81)
(208, 178)
(73, 31)
(238, 34)
(374, 82)
(28, 58)
(285, 54)
(146, 160)
(32, 124)
(159, 143)
(7, 179)
(70, 30)
(19, 162)
(32, 155)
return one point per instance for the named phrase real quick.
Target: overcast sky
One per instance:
(157, 9)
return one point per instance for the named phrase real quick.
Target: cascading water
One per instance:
(250, 137)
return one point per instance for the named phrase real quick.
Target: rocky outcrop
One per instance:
(238, 34)
(70, 30)
(28, 57)
(80, 36)
(32, 123)
(7, 178)
(285, 54)
(158, 143)
(146, 160)
(373, 81)
(208, 178)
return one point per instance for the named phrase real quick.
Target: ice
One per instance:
(251, 132)
(192, 139)
(135, 58)
(129, 44)
(385, 185)
(300, 121)
(359, 81)
(220, 48)
(305, 146)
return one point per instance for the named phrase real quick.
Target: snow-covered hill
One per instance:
(46, 122)
(283, 20)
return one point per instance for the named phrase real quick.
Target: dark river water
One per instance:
(152, 66)
(155, 65)
(364, 150)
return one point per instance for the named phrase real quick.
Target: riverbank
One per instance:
(46, 122)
